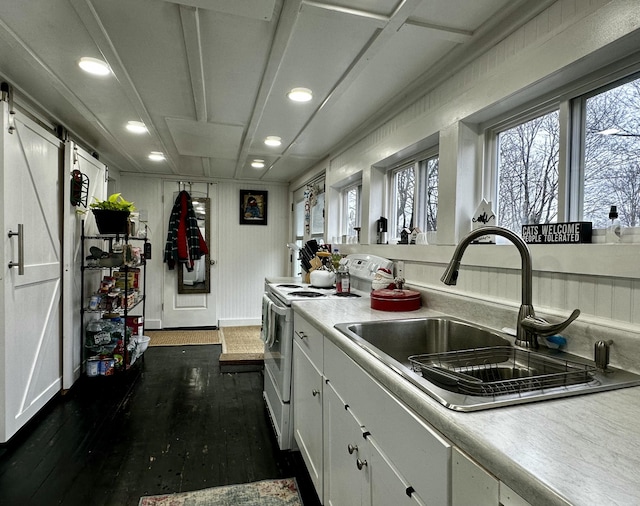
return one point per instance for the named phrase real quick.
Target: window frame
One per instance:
(421, 178)
(569, 100)
(492, 149)
(577, 121)
(344, 208)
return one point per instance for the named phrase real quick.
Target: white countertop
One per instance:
(582, 450)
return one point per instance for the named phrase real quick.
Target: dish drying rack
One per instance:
(499, 370)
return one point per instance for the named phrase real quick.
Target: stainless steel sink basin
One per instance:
(467, 367)
(399, 339)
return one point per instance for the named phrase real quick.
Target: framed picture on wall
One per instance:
(253, 207)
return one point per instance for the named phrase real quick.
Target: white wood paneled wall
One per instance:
(600, 297)
(249, 253)
(246, 253)
(556, 48)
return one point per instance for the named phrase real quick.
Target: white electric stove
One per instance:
(277, 333)
(362, 269)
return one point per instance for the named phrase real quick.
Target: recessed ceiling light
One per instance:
(156, 156)
(257, 164)
(94, 66)
(300, 94)
(136, 127)
(273, 140)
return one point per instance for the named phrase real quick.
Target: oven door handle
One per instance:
(282, 311)
(270, 310)
(266, 318)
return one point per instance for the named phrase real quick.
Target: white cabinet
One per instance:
(345, 445)
(357, 471)
(472, 485)
(387, 485)
(419, 454)
(307, 399)
(363, 447)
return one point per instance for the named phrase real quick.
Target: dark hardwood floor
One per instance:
(172, 424)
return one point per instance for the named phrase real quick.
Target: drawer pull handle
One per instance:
(301, 335)
(352, 448)
(361, 463)
(315, 392)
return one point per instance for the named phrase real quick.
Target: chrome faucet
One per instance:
(529, 327)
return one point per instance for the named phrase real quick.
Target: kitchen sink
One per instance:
(400, 339)
(467, 367)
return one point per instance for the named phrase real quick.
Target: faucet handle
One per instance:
(541, 327)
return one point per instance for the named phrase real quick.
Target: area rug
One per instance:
(282, 492)
(242, 342)
(183, 337)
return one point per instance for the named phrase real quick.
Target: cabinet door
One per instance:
(307, 414)
(387, 486)
(421, 455)
(471, 485)
(345, 484)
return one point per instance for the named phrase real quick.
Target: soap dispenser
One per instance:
(613, 232)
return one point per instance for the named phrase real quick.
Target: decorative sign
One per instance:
(574, 232)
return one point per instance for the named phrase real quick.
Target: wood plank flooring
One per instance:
(173, 424)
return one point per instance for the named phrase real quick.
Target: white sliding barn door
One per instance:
(76, 158)
(30, 342)
(190, 310)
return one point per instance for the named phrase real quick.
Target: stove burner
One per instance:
(289, 286)
(346, 294)
(321, 287)
(304, 293)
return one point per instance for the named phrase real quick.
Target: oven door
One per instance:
(277, 333)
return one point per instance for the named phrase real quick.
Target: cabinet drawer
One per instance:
(307, 414)
(310, 340)
(419, 453)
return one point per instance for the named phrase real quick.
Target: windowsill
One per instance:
(614, 260)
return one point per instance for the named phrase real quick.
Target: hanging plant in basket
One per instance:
(112, 215)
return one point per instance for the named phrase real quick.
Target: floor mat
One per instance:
(242, 349)
(242, 341)
(282, 492)
(183, 337)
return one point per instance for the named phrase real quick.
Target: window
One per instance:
(602, 167)
(402, 197)
(414, 196)
(528, 172)
(611, 154)
(428, 198)
(351, 211)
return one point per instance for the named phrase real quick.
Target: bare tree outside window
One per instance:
(404, 192)
(612, 156)
(352, 209)
(431, 218)
(528, 173)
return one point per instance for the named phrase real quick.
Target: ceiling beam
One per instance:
(399, 17)
(22, 48)
(443, 32)
(96, 30)
(380, 20)
(190, 19)
(284, 29)
(191, 34)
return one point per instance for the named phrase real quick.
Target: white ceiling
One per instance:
(209, 77)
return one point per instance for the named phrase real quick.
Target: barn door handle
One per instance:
(20, 263)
